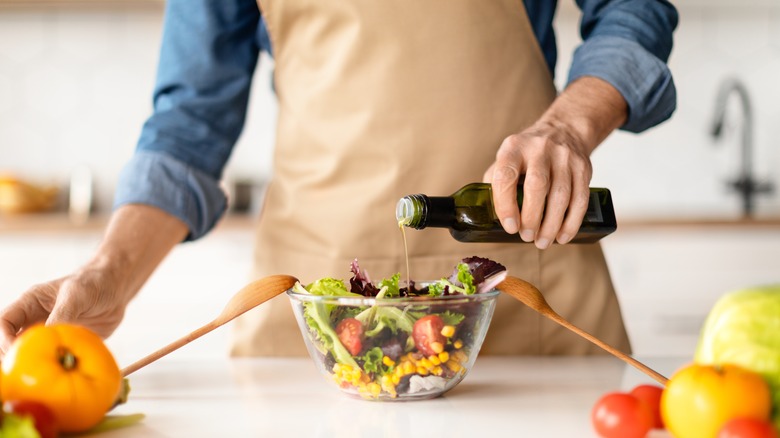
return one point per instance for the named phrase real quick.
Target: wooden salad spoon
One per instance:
(249, 297)
(533, 298)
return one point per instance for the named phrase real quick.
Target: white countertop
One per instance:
(518, 396)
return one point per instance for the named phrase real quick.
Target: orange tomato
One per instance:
(65, 367)
(699, 399)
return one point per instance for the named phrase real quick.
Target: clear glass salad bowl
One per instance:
(394, 349)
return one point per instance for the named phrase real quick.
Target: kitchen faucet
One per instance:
(745, 184)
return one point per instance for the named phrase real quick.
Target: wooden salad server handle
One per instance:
(249, 297)
(529, 295)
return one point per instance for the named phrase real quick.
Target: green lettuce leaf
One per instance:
(373, 360)
(328, 287)
(464, 283)
(393, 290)
(317, 317)
(451, 318)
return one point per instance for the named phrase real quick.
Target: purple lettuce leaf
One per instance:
(487, 273)
(360, 283)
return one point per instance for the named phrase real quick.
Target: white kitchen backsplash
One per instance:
(76, 82)
(76, 86)
(677, 168)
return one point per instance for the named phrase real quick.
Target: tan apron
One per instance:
(379, 99)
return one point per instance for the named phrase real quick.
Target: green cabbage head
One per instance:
(743, 328)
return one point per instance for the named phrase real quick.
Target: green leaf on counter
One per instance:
(113, 422)
(15, 426)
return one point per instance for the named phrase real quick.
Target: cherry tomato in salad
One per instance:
(350, 333)
(748, 428)
(43, 418)
(651, 394)
(621, 415)
(427, 335)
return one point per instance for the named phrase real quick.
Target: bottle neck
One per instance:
(421, 211)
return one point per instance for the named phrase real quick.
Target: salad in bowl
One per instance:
(384, 341)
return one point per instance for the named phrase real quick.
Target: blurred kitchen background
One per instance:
(75, 86)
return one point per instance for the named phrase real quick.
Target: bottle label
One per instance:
(593, 214)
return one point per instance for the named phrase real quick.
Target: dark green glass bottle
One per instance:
(470, 216)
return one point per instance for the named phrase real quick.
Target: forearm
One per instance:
(137, 239)
(627, 44)
(589, 109)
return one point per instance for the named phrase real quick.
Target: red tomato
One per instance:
(427, 335)
(350, 332)
(621, 415)
(43, 417)
(651, 394)
(747, 428)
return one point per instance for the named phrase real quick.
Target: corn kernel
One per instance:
(387, 361)
(374, 389)
(444, 356)
(422, 371)
(395, 379)
(437, 370)
(425, 363)
(408, 368)
(460, 356)
(458, 344)
(447, 331)
(337, 367)
(437, 347)
(454, 366)
(434, 359)
(386, 380)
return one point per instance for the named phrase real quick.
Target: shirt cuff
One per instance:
(644, 80)
(159, 180)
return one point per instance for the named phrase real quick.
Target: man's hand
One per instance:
(554, 156)
(88, 296)
(136, 241)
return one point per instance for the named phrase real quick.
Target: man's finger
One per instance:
(505, 176)
(536, 185)
(25, 311)
(578, 205)
(555, 208)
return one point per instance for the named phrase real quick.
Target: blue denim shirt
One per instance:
(210, 50)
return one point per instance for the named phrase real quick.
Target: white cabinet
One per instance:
(668, 278)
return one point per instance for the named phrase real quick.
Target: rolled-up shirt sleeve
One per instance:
(627, 44)
(208, 56)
